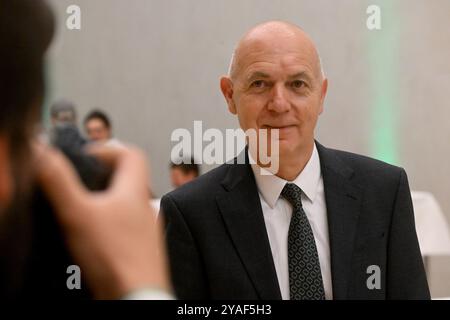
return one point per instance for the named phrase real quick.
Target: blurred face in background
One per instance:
(63, 117)
(178, 177)
(97, 130)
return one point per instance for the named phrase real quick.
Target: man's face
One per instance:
(278, 86)
(96, 130)
(178, 177)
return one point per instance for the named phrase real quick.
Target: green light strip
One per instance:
(384, 103)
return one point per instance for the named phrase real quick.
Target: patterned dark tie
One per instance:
(305, 277)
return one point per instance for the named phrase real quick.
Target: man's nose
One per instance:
(278, 101)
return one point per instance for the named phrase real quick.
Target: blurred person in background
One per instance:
(64, 130)
(63, 112)
(99, 129)
(184, 172)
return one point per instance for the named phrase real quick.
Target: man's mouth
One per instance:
(279, 127)
(284, 131)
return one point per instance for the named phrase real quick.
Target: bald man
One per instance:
(327, 224)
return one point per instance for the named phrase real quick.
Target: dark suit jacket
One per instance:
(219, 249)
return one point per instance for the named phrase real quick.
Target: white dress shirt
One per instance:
(148, 294)
(277, 213)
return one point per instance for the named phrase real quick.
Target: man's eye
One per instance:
(297, 84)
(258, 84)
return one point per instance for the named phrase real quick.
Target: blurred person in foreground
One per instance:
(124, 260)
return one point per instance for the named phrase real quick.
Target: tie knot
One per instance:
(292, 193)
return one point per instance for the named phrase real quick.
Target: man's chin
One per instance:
(286, 145)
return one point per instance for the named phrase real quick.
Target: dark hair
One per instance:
(100, 115)
(26, 31)
(187, 166)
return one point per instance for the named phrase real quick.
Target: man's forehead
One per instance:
(280, 49)
(274, 42)
(289, 63)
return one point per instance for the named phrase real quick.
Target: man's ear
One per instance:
(323, 93)
(226, 85)
(6, 180)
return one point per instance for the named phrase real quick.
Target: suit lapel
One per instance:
(343, 198)
(242, 213)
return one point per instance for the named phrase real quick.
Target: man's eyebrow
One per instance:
(301, 75)
(256, 75)
(260, 74)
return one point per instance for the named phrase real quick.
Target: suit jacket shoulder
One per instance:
(362, 165)
(368, 174)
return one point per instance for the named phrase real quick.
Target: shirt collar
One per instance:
(270, 185)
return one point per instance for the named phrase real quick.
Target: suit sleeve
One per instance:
(406, 278)
(187, 272)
